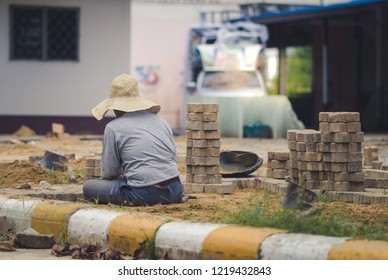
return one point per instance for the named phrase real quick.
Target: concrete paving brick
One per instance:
(210, 126)
(194, 116)
(269, 173)
(292, 145)
(327, 185)
(294, 155)
(337, 127)
(195, 108)
(300, 146)
(279, 173)
(357, 137)
(205, 161)
(302, 165)
(324, 127)
(324, 147)
(339, 147)
(341, 137)
(277, 164)
(324, 116)
(200, 134)
(203, 143)
(357, 177)
(349, 186)
(353, 127)
(326, 137)
(313, 156)
(341, 177)
(339, 167)
(377, 164)
(209, 117)
(211, 108)
(312, 147)
(314, 166)
(313, 184)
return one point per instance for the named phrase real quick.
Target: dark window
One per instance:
(44, 33)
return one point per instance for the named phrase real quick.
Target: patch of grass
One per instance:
(187, 215)
(334, 224)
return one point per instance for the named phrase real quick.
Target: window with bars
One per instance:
(44, 33)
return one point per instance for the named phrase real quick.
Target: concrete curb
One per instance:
(180, 240)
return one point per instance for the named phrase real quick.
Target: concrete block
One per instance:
(209, 117)
(327, 185)
(34, 240)
(324, 127)
(91, 162)
(279, 173)
(212, 126)
(313, 156)
(339, 147)
(339, 167)
(194, 117)
(326, 137)
(302, 165)
(312, 147)
(294, 155)
(324, 116)
(341, 177)
(201, 134)
(277, 164)
(353, 127)
(292, 145)
(315, 166)
(300, 146)
(349, 186)
(194, 125)
(354, 166)
(357, 137)
(376, 164)
(337, 127)
(281, 156)
(211, 108)
(326, 157)
(354, 147)
(357, 177)
(341, 137)
(324, 147)
(195, 108)
(204, 144)
(269, 173)
(313, 184)
(57, 128)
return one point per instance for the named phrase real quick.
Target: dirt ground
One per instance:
(16, 170)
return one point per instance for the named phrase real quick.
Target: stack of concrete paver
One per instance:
(203, 150)
(278, 164)
(92, 169)
(331, 158)
(341, 146)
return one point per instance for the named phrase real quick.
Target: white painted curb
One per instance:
(294, 246)
(90, 226)
(182, 240)
(18, 212)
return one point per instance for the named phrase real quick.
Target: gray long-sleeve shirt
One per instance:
(142, 144)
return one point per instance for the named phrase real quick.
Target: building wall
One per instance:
(36, 88)
(159, 44)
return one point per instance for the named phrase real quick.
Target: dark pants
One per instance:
(118, 192)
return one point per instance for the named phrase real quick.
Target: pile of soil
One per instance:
(24, 131)
(21, 172)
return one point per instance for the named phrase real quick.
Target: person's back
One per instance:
(139, 143)
(146, 147)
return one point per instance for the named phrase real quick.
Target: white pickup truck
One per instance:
(229, 71)
(230, 83)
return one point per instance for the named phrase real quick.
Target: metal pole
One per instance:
(325, 92)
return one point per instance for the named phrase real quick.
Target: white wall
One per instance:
(159, 39)
(67, 88)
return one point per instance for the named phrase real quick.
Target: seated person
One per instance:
(138, 161)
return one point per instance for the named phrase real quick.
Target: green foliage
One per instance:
(330, 225)
(299, 61)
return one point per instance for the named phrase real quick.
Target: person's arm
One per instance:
(110, 158)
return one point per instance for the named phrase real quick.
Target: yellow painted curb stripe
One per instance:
(359, 250)
(235, 243)
(52, 217)
(126, 233)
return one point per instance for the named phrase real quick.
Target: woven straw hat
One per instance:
(124, 97)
